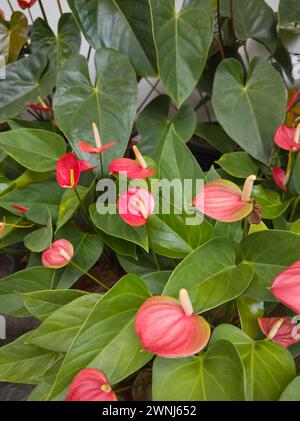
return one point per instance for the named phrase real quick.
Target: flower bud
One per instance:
(279, 177)
(58, 255)
(90, 384)
(168, 327)
(26, 4)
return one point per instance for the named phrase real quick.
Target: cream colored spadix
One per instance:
(297, 134)
(185, 302)
(247, 189)
(275, 328)
(139, 157)
(96, 135)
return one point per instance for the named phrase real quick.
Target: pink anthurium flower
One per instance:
(21, 209)
(168, 327)
(58, 255)
(287, 138)
(279, 177)
(26, 4)
(135, 206)
(90, 384)
(286, 287)
(85, 165)
(282, 330)
(68, 171)
(224, 201)
(98, 149)
(132, 168)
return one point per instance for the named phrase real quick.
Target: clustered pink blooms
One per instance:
(26, 4)
(225, 201)
(90, 384)
(282, 330)
(58, 255)
(169, 328)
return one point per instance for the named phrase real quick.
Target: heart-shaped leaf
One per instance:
(40, 239)
(213, 282)
(216, 136)
(249, 311)
(111, 103)
(182, 39)
(243, 108)
(216, 375)
(238, 164)
(292, 391)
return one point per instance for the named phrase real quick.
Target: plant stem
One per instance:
(82, 206)
(219, 44)
(89, 275)
(246, 52)
(148, 96)
(232, 16)
(10, 6)
(30, 15)
(59, 6)
(153, 253)
(220, 30)
(101, 165)
(246, 227)
(294, 209)
(43, 10)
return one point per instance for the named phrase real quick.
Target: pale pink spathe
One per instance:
(287, 333)
(286, 287)
(135, 206)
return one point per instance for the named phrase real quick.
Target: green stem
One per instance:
(82, 206)
(101, 165)
(30, 15)
(246, 52)
(43, 11)
(153, 253)
(294, 209)
(59, 6)
(246, 227)
(89, 275)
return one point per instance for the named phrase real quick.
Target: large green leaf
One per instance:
(108, 335)
(119, 24)
(216, 136)
(182, 40)
(69, 205)
(23, 83)
(38, 150)
(23, 363)
(13, 36)
(27, 280)
(269, 367)
(238, 164)
(114, 225)
(255, 19)
(272, 206)
(87, 250)
(216, 375)
(268, 253)
(214, 281)
(40, 239)
(249, 311)
(155, 121)
(111, 102)
(289, 14)
(43, 303)
(57, 332)
(243, 108)
(39, 198)
(292, 391)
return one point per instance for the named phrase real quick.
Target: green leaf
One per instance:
(238, 164)
(119, 246)
(46, 379)
(156, 281)
(216, 375)
(177, 163)
(87, 250)
(43, 303)
(108, 335)
(268, 253)
(143, 264)
(154, 123)
(111, 103)
(255, 19)
(216, 137)
(217, 280)
(18, 32)
(113, 224)
(243, 108)
(69, 205)
(37, 150)
(120, 25)
(289, 15)
(269, 367)
(249, 311)
(272, 207)
(23, 84)
(27, 280)
(294, 183)
(292, 391)
(182, 41)
(39, 198)
(232, 231)
(40, 239)
(22, 363)
(58, 331)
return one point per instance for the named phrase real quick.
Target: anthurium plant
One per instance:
(153, 273)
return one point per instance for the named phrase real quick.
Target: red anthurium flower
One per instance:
(58, 255)
(279, 177)
(20, 209)
(87, 147)
(287, 138)
(85, 165)
(135, 206)
(282, 330)
(90, 384)
(2, 16)
(168, 327)
(26, 4)
(68, 171)
(131, 168)
(286, 287)
(224, 201)
(43, 108)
